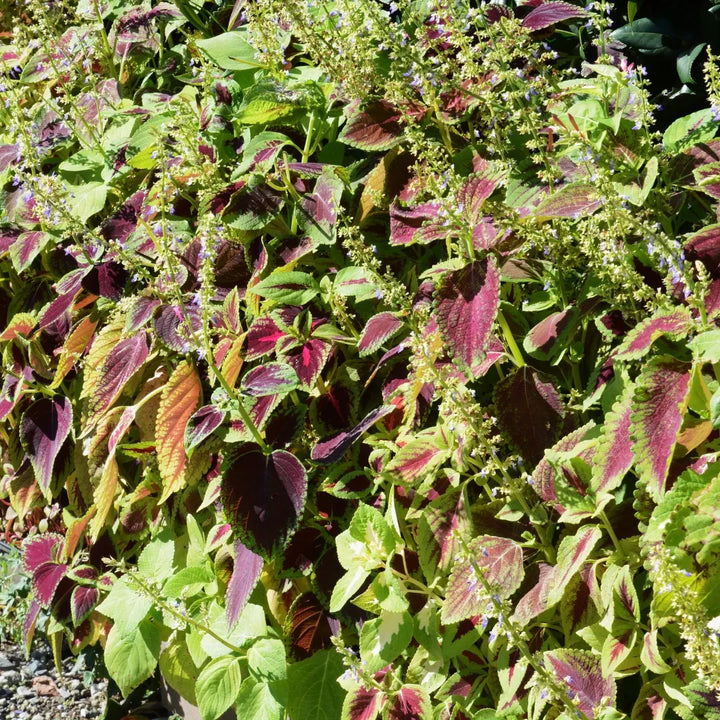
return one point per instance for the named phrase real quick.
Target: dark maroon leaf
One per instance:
(106, 280)
(308, 360)
(473, 194)
(8, 236)
(246, 573)
(263, 496)
(467, 302)
(201, 424)
(124, 360)
(309, 625)
(57, 309)
(417, 224)
(530, 412)
(705, 247)
(119, 225)
(253, 209)
(51, 130)
(172, 329)
(379, 328)
(328, 451)
(544, 338)
(45, 581)
(43, 429)
(285, 425)
(373, 127)
(550, 13)
(82, 602)
(264, 333)
(335, 408)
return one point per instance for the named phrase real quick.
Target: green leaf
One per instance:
(87, 199)
(384, 639)
(126, 606)
(217, 686)
(256, 700)
(288, 287)
(188, 581)
(178, 668)
(131, 657)
(156, 559)
(316, 694)
(368, 541)
(698, 127)
(685, 62)
(267, 660)
(249, 626)
(346, 587)
(230, 51)
(706, 346)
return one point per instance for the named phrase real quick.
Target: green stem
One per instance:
(510, 339)
(611, 532)
(180, 616)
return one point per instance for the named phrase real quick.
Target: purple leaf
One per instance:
(140, 312)
(530, 412)
(473, 194)
(246, 572)
(705, 247)
(43, 429)
(106, 280)
(320, 209)
(285, 425)
(417, 224)
(447, 520)
(363, 703)
(201, 424)
(335, 408)
(25, 249)
(171, 327)
(580, 672)
(123, 361)
(378, 330)
(45, 581)
(263, 496)
(270, 379)
(57, 309)
(9, 155)
(535, 601)
(82, 602)
(328, 451)
(253, 209)
(467, 302)
(550, 13)
(658, 404)
(377, 126)
(28, 630)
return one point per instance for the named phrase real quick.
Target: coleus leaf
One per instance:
(201, 424)
(676, 325)
(43, 429)
(704, 246)
(444, 521)
(580, 601)
(288, 287)
(41, 555)
(124, 360)
(501, 562)
(84, 598)
(570, 201)
(263, 496)
(581, 673)
(550, 13)
(119, 225)
(423, 453)
(309, 627)
(378, 330)
(253, 209)
(264, 333)
(178, 401)
(171, 327)
(270, 379)
(246, 572)
(308, 360)
(467, 302)
(373, 127)
(106, 280)
(412, 702)
(530, 412)
(547, 337)
(27, 247)
(319, 209)
(362, 703)
(658, 407)
(328, 451)
(419, 224)
(614, 452)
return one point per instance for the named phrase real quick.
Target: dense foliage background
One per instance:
(360, 358)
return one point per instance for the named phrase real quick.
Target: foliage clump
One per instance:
(368, 348)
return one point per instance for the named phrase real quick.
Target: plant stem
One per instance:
(509, 338)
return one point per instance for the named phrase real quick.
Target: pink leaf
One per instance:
(378, 330)
(570, 201)
(614, 454)
(417, 224)
(308, 360)
(675, 324)
(246, 573)
(467, 302)
(411, 703)
(270, 379)
(363, 704)
(658, 405)
(201, 424)
(39, 549)
(550, 13)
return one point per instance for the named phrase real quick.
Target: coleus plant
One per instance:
(407, 398)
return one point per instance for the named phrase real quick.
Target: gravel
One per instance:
(31, 689)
